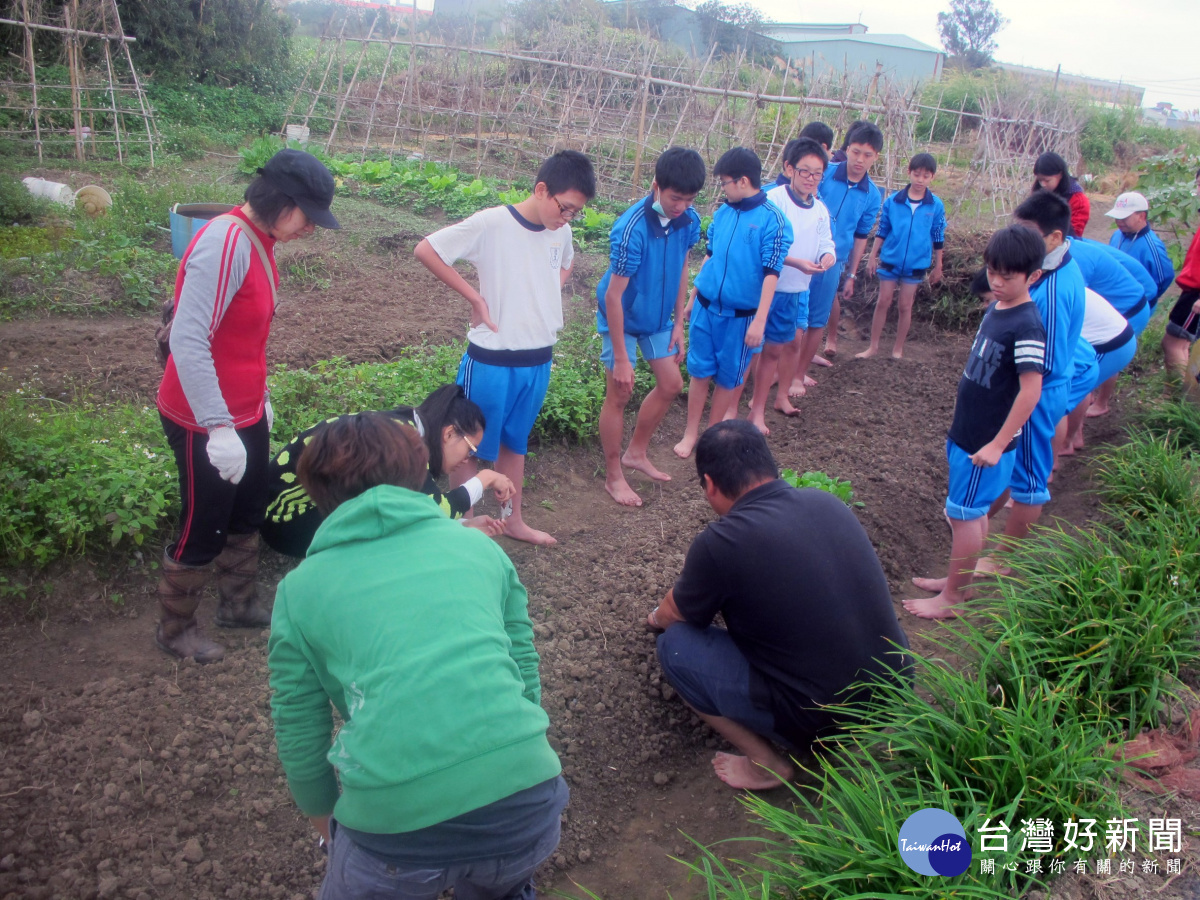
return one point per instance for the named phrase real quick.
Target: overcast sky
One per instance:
(1155, 45)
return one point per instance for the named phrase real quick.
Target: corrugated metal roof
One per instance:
(886, 40)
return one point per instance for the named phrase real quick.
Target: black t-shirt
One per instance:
(1009, 343)
(805, 599)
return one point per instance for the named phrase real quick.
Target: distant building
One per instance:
(1166, 115)
(1111, 93)
(687, 29)
(820, 48)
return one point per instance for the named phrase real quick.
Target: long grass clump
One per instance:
(1075, 651)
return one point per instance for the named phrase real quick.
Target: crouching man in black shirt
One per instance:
(799, 634)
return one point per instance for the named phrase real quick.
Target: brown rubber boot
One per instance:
(237, 569)
(179, 592)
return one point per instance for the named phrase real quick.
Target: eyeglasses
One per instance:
(726, 182)
(566, 212)
(807, 174)
(474, 450)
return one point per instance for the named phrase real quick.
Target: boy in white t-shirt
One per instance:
(812, 251)
(522, 254)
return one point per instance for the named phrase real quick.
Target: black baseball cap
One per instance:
(306, 181)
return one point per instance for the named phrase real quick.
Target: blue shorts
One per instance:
(885, 275)
(782, 319)
(1086, 374)
(511, 398)
(822, 291)
(712, 676)
(802, 311)
(653, 346)
(973, 489)
(1035, 453)
(717, 347)
(1115, 361)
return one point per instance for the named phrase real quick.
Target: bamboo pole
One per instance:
(641, 137)
(350, 87)
(33, 85)
(113, 95)
(72, 63)
(38, 26)
(147, 115)
(335, 50)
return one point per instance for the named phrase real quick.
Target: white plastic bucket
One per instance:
(51, 190)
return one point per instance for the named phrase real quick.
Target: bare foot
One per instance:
(1094, 411)
(521, 532)
(819, 360)
(797, 389)
(740, 772)
(760, 423)
(830, 348)
(642, 464)
(867, 354)
(939, 607)
(685, 447)
(1077, 444)
(784, 408)
(897, 354)
(987, 567)
(1068, 450)
(619, 489)
(937, 585)
(809, 381)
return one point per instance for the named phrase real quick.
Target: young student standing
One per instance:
(816, 131)
(835, 313)
(747, 244)
(523, 255)
(998, 391)
(853, 202)
(812, 251)
(907, 247)
(641, 297)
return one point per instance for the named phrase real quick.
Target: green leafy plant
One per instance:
(79, 477)
(840, 488)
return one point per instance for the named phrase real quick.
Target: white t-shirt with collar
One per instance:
(518, 264)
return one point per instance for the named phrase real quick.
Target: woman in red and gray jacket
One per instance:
(213, 397)
(1183, 323)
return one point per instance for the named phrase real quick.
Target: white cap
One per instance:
(1128, 204)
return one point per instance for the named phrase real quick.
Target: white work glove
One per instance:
(227, 453)
(269, 412)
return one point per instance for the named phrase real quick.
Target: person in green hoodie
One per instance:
(417, 631)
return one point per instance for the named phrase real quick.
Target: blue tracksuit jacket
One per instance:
(652, 258)
(1148, 249)
(1107, 277)
(747, 240)
(852, 210)
(1059, 296)
(909, 238)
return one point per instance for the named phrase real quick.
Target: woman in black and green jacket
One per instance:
(451, 427)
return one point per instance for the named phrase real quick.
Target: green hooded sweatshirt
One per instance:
(417, 629)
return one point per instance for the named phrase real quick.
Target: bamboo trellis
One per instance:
(104, 100)
(501, 110)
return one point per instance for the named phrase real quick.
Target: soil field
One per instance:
(124, 774)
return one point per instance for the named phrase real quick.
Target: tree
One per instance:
(732, 26)
(969, 31)
(221, 41)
